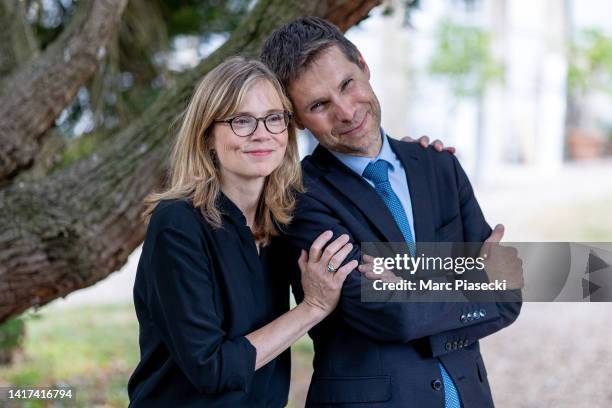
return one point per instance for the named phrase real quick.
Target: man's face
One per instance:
(334, 100)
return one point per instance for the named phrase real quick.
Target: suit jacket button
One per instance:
(466, 343)
(455, 345)
(476, 315)
(463, 318)
(483, 313)
(469, 317)
(448, 346)
(436, 384)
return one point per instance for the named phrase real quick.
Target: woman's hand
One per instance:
(321, 295)
(322, 276)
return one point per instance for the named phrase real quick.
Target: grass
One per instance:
(93, 349)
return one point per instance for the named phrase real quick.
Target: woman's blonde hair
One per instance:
(194, 173)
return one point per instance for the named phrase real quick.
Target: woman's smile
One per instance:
(260, 152)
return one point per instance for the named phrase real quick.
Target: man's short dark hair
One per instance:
(291, 48)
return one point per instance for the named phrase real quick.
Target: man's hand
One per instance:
(424, 142)
(367, 270)
(502, 263)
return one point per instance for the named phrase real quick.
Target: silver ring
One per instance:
(330, 268)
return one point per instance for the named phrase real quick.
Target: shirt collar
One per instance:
(229, 209)
(359, 163)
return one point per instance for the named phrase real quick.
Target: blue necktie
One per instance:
(378, 173)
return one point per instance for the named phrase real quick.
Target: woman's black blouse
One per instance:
(198, 292)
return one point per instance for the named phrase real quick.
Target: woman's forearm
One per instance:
(276, 336)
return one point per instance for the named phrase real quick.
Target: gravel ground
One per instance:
(555, 355)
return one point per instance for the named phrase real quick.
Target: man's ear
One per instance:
(363, 65)
(296, 119)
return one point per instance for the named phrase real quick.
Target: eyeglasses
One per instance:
(245, 125)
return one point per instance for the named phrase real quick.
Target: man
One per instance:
(361, 182)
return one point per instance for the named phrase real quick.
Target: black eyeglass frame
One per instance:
(286, 113)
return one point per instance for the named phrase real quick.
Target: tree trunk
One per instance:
(34, 96)
(74, 227)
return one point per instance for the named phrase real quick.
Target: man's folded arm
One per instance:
(508, 307)
(385, 321)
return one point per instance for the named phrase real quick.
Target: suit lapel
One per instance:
(360, 193)
(420, 195)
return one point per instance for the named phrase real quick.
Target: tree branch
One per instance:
(33, 96)
(17, 42)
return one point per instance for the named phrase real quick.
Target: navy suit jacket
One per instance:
(386, 354)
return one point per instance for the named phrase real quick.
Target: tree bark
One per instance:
(17, 42)
(34, 95)
(74, 227)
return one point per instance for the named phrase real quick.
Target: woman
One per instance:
(213, 317)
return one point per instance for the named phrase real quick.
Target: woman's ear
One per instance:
(214, 157)
(210, 146)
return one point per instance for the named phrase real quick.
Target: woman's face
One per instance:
(257, 155)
